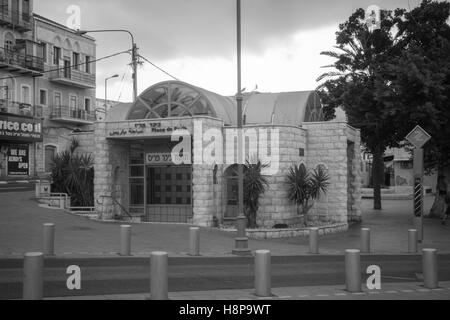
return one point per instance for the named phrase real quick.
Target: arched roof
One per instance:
(287, 108)
(179, 99)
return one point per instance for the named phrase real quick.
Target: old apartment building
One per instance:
(47, 89)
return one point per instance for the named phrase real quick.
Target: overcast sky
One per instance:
(195, 40)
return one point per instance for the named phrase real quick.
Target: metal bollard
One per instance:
(365, 240)
(125, 240)
(412, 241)
(48, 242)
(353, 270)
(314, 240)
(33, 276)
(430, 268)
(262, 273)
(194, 241)
(159, 275)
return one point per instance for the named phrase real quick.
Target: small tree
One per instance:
(304, 186)
(254, 186)
(74, 174)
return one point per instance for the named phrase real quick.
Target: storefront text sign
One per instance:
(20, 129)
(164, 158)
(18, 160)
(156, 129)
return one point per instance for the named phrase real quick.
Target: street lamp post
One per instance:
(134, 54)
(241, 240)
(106, 91)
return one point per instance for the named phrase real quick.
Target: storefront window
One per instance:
(137, 192)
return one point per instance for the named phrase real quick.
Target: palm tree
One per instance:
(304, 186)
(74, 174)
(255, 184)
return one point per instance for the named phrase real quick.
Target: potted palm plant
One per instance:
(305, 187)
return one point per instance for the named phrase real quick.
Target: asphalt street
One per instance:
(103, 276)
(17, 187)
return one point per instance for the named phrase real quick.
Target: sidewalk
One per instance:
(21, 222)
(389, 291)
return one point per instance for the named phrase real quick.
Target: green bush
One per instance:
(74, 174)
(304, 186)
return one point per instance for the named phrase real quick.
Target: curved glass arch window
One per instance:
(170, 100)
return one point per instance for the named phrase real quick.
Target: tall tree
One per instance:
(355, 82)
(419, 90)
(394, 79)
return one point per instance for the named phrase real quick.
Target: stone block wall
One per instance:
(275, 207)
(111, 173)
(327, 145)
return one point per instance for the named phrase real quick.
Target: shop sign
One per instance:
(164, 158)
(18, 160)
(20, 129)
(155, 128)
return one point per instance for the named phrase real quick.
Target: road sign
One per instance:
(418, 137)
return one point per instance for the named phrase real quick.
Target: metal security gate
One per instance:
(169, 194)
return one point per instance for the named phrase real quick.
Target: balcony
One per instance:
(20, 109)
(72, 116)
(20, 21)
(72, 77)
(25, 64)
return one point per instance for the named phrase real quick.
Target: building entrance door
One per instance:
(168, 194)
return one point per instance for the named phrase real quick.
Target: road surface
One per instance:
(104, 276)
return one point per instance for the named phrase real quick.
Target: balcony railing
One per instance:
(11, 59)
(14, 18)
(67, 114)
(21, 109)
(73, 77)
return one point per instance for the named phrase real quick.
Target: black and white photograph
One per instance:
(230, 157)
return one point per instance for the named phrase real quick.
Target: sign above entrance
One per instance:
(20, 129)
(147, 129)
(418, 137)
(164, 158)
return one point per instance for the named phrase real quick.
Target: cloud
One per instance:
(196, 39)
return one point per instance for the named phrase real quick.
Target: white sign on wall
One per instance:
(164, 158)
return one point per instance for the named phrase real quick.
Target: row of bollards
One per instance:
(194, 240)
(413, 241)
(48, 245)
(33, 267)
(34, 263)
(353, 269)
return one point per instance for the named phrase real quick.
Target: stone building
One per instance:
(169, 156)
(47, 89)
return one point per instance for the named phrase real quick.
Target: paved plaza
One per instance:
(21, 220)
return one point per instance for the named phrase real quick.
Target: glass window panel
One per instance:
(136, 192)
(136, 171)
(139, 111)
(201, 107)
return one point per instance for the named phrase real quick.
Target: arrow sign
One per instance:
(418, 137)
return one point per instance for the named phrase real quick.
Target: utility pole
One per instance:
(134, 54)
(134, 57)
(241, 240)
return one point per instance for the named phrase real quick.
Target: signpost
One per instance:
(418, 137)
